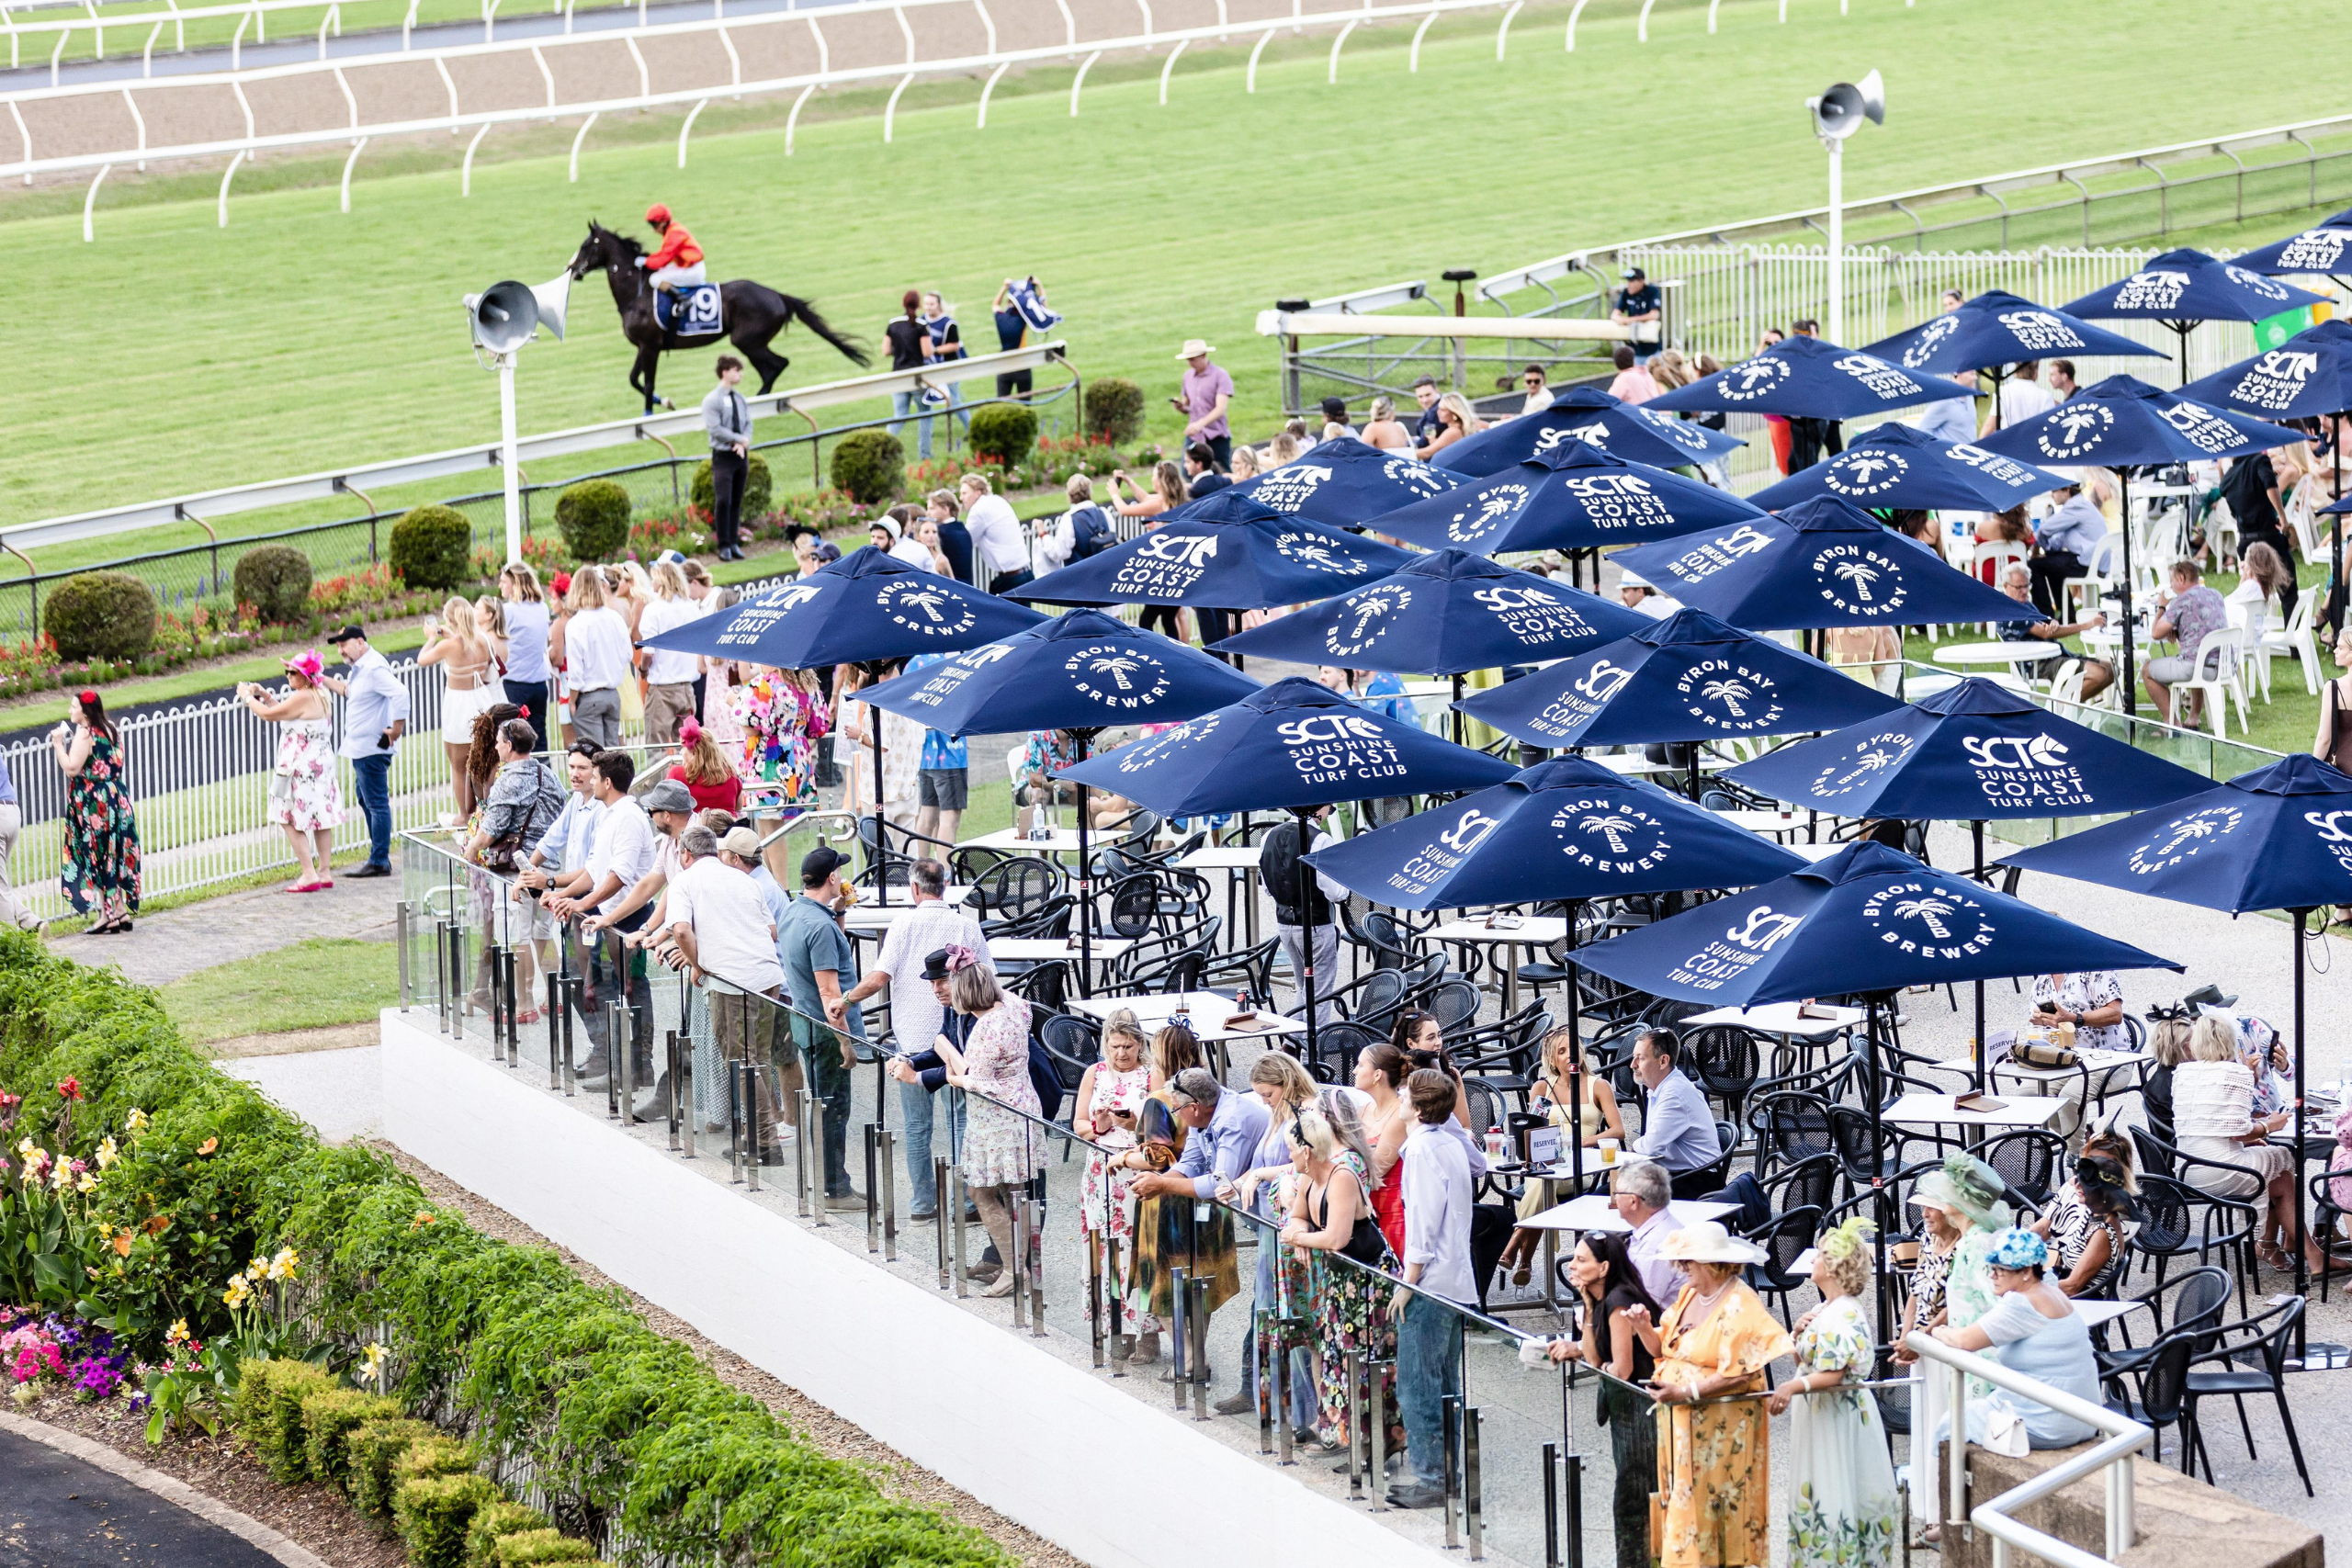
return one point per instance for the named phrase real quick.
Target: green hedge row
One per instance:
(622, 1429)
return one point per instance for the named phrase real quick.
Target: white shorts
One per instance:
(460, 709)
(677, 276)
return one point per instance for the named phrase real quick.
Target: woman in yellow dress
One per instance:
(1714, 1484)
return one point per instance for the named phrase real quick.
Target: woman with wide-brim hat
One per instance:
(1715, 1487)
(1969, 1196)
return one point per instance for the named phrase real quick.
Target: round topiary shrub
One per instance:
(593, 516)
(430, 544)
(757, 488)
(1113, 409)
(1003, 432)
(871, 465)
(101, 614)
(276, 580)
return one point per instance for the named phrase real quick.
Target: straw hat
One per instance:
(1193, 349)
(1708, 1242)
(1968, 1187)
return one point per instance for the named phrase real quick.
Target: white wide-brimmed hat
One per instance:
(1708, 1242)
(1195, 347)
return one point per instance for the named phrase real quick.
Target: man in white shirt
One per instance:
(915, 1012)
(721, 932)
(669, 675)
(1640, 1194)
(595, 660)
(1436, 1172)
(1636, 593)
(621, 857)
(1000, 556)
(2021, 397)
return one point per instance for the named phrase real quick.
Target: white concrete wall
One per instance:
(1050, 1445)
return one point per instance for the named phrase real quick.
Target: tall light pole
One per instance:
(1838, 114)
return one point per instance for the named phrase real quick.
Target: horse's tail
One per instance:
(806, 314)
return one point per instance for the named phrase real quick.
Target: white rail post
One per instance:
(1503, 34)
(1249, 82)
(90, 199)
(466, 170)
(890, 109)
(792, 121)
(989, 86)
(687, 129)
(356, 148)
(1078, 81)
(1164, 70)
(226, 175)
(1331, 73)
(578, 137)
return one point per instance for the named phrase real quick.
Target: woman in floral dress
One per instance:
(1110, 1104)
(1332, 1194)
(304, 796)
(1843, 1508)
(100, 867)
(1003, 1150)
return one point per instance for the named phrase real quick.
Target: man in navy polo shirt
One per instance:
(1638, 302)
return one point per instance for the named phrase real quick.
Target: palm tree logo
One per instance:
(1728, 692)
(1118, 666)
(1610, 827)
(1877, 759)
(1860, 575)
(1931, 910)
(1863, 470)
(1930, 338)
(1755, 377)
(2188, 830)
(1367, 610)
(927, 600)
(2074, 429)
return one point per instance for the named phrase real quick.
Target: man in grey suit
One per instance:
(727, 420)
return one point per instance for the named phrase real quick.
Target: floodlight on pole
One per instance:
(1838, 114)
(502, 318)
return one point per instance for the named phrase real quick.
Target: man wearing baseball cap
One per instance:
(718, 924)
(817, 959)
(1640, 302)
(372, 722)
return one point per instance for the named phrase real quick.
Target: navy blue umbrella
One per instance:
(2183, 287)
(1344, 481)
(1824, 562)
(1571, 498)
(1996, 330)
(1804, 377)
(1236, 554)
(1897, 466)
(865, 607)
(2315, 252)
(1688, 677)
(1082, 672)
(1292, 746)
(1590, 415)
(2121, 422)
(2276, 838)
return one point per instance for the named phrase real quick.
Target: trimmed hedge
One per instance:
(1113, 409)
(269, 1413)
(493, 1523)
(1003, 432)
(615, 1424)
(329, 1418)
(432, 1512)
(870, 465)
(530, 1547)
(276, 580)
(759, 489)
(431, 545)
(101, 614)
(593, 516)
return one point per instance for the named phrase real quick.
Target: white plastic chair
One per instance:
(2251, 618)
(2303, 519)
(2106, 558)
(2219, 675)
(2294, 637)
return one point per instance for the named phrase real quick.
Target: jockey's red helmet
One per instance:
(657, 213)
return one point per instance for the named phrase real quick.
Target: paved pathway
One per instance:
(57, 1511)
(162, 948)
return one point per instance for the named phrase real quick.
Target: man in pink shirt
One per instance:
(1633, 383)
(1207, 393)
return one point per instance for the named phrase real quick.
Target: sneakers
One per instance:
(845, 1200)
(1416, 1494)
(1235, 1403)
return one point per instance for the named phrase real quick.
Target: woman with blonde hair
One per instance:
(1331, 1222)
(1456, 421)
(525, 655)
(455, 642)
(901, 746)
(1110, 1105)
(1383, 429)
(1561, 1081)
(669, 673)
(704, 768)
(2214, 1122)
(1003, 1150)
(1246, 464)
(1265, 1192)
(1843, 1510)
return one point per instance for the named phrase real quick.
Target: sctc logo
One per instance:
(1180, 549)
(1762, 930)
(1469, 832)
(2014, 751)
(1323, 729)
(1603, 680)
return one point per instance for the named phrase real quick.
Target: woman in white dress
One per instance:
(901, 748)
(305, 797)
(1843, 1509)
(1110, 1099)
(2213, 1120)
(456, 643)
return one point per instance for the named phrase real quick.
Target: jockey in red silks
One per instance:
(677, 263)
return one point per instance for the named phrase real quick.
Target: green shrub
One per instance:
(370, 1453)
(101, 614)
(759, 489)
(593, 516)
(494, 1522)
(276, 580)
(430, 546)
(870, 465)
(431, 1456)
(531, 1547)
(1113, 409)
(1003, 432)
(432, 1513)
(330, 1416)
(269, 1413)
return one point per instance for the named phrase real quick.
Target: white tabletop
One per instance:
(1816, 851)
(1044, 949)
(1429, 688)
(1781, 1018)
(1593, 1211)
(2096, 1060)
(1222, 857)
(1631, 764)
(1063, 840)
(1530, 928)
(2093, 1313)
(873, 916)
(1916, 1109)
(1994, 652)
(1209, 1011)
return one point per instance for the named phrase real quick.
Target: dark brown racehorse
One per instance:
(754, 313)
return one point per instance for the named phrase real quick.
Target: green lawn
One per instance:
(297, 338)
(312, 985)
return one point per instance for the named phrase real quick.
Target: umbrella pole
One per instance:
(881, 846)
(2336, 535)
(1085, 879)
(1882, 1285)
(1306, 892)
(2129, 618)
(1976, 833)
(1456, 710)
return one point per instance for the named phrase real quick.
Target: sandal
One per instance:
(2273, 1258)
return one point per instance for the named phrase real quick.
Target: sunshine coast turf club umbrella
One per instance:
(1083, 672)
(1292, 746)
(2316, 252)
(1567, 828)
(1688, 677)
(1804, 377)
(866, 608)
(1590, 415)
(2121, 422)
(1897, 465)
(1868, 920)
(1573, 497)
(2183, 287)
(1996, 330)
(1220, 554)
(1344, 481)
(1824, 562)
(2276, 838)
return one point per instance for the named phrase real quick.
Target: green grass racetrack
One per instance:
(173, 355)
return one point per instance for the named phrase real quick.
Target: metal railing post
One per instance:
(873, 1190)
(575, 991)
(559, 1022)
(623, 1078)
(1551, 1473)
(1273, 1385)
(1012, 1265)
(1355, 1432)
(734, 1125)
(1376, 1424)
(1450, 1427)
(508, 995)
(749, 1072)
(1178, 1343)
(1262, 1340)
(669, 1075)
(400, 927)
(1575, 1510)
(1095, 1242)
(1196, 1312)
(939, 1219)
(889, 1195)
(1474, 1515)
(1033, 1267)
(959, 1268)
(441, 976)
(1956, 1474)
(812, 1135)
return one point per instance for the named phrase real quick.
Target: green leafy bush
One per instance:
(276, 580)
(101, 614)
(870, 465)
(330, 1416)
(269, 1413)
(432, 1456)
(531, 1547)
(593, 516)
(370, 1452)
(430, 546)
(492, 1523)
(759, 488)
(1003, 432)
(432, 1512)
(1113, 409)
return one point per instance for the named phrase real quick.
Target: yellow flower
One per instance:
(178, 1332)
(61, 1178)
(257, 1270)
(138, 1122)
(372, 1359)
(108, 1153)
(235, 1294)
(27, 1147)
(85, 1182)
(282, 1266)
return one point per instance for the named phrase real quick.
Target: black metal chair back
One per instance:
(1371, 1000)
(1012, 888)
(1809, 1183)
(2029, 1160)
(1042, 983)
(1134, 906)
(1336, 1047)
(1784, 1239)
(1454, 1003)
(1244, 968)
(1791, 1126)
(1725, 1059)
(1387, 943)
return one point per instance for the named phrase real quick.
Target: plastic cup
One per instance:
(1609, 1151)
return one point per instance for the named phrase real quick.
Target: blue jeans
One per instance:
(371, 777)
(821, 1054)
(1428, 1367)
(915, 1103)
(903, 404)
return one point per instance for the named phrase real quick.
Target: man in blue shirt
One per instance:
(1678, 1127)
(2069, 541)
(375, 713)
(944, 777)
(1225, 1130)
(817, 960)
(1953, 419)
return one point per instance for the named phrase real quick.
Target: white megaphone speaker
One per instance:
(1839, 112)
(552, 298)
(504, 316)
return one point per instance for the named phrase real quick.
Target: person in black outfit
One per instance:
(1611, 1298)
(954, 539)
(1640, 303)
(1011, 327)
(1811, 440)
(1304, 900)
(727, 420)
(1426, 394)
(2251, 487)
(1201, 478)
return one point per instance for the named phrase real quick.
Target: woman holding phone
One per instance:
(1109, 1098)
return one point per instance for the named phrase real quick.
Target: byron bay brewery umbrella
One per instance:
(1804, 377)
(1084, 672)
(1590, 415)
(1343, 481)
(2185, 286)
(2276, 838)
(866, 608)
(1996, 330)
(1899, 465)
(1293, 746)
(1573, 497)
(2121, 422)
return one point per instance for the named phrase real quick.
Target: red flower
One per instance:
(71, 1088)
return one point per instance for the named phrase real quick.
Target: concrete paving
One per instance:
(339, 1093)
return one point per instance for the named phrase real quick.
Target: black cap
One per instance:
(1336, 410)
(818, 865)
(347, 633)
(934, 965)
(1634, 272)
